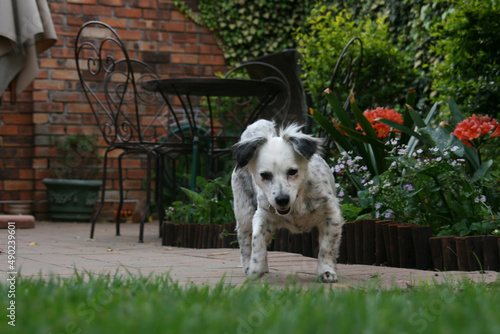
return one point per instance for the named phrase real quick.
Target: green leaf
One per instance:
(482, 170)
(401, 128)
(363, 121)
(193, 196)
(410, 98)
(338, 110)
(365, 199)
(332, 131)
(361, 137)
(370, 149)
(443, 140)
(416, 117)
(407, 120)
(472, 156)
(431, 113)
(457, 115)
(377, 148)
(437, 170)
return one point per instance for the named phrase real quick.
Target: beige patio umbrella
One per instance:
(26, 30)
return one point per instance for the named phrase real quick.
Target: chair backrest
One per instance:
(294, 105)
(278, 109)
(112, 83)
(343, 80)
(346, 72)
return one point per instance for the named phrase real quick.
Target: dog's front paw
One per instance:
(255, 275)
(328, 277)
(257, 269)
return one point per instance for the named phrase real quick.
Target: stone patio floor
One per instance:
(61, 248)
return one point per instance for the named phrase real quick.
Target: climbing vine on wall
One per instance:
(245, 29)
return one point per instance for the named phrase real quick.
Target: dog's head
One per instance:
(278, 163)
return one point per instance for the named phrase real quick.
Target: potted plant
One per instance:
(73, 191)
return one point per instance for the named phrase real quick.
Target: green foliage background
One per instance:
(249, 29)
(386, 69)
(454, 45)
(470, 69)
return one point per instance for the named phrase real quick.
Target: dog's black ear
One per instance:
(244, 151)
(306, 146)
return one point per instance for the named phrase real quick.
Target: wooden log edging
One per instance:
(397, 244)
(369, 242)
(199, 236)
(467, 253)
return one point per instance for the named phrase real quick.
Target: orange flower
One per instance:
(496, 133)
(476, 126)
(375, 115)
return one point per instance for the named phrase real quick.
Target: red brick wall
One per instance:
(153, 30)
(16, 148)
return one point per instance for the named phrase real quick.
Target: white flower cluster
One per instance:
(346, 166)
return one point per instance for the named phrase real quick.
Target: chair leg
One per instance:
(148, 197)
(174, 178)
(159, 191)
(120, 183)
(103, 192)
(194, 167)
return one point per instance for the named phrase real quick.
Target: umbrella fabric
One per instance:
(26, 29)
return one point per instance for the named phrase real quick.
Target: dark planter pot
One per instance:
(199, 236)
(72, 200)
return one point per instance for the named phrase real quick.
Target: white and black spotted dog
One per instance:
(280, 180)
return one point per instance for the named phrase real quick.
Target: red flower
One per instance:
(476, 126)
(496, 133)
(375, 115)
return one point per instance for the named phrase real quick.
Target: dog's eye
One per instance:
(266, 176)
(292, 172)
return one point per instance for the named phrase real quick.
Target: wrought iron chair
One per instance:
(130, 118)
(236, 113)
(292, 102)
(344, 78)
(277, 68)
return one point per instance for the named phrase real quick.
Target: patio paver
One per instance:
(62, 248)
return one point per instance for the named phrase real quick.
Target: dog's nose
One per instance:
(282, 200)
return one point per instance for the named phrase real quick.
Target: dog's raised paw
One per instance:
(328, 277)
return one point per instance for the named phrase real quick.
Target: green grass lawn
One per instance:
(126, 304)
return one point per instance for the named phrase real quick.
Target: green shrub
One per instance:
(437, 177)
(469, 39)
(386, 70)
(212, 205)
(410, 23)
(249, 29)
